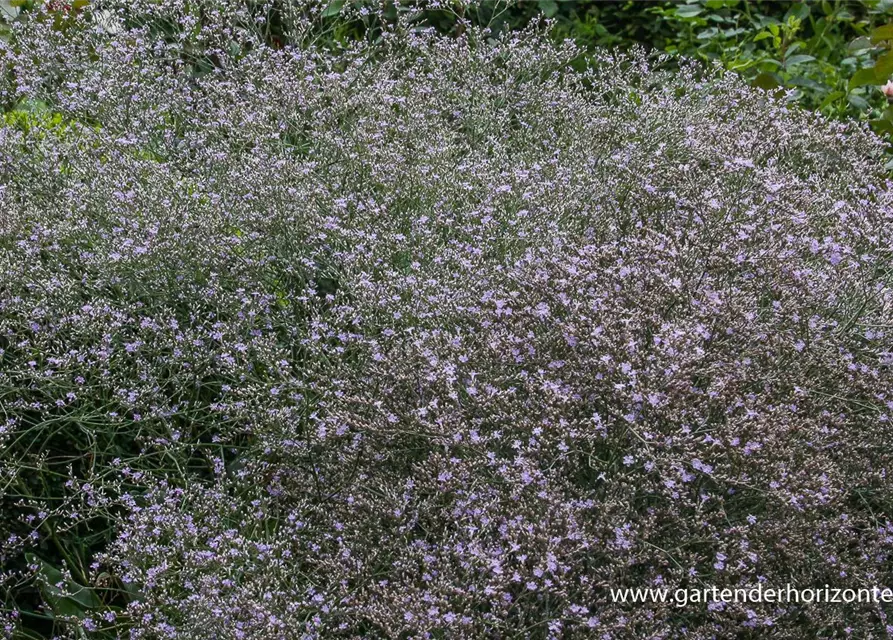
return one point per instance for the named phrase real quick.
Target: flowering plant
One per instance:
(427, 336)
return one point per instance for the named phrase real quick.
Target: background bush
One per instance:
(828, 55)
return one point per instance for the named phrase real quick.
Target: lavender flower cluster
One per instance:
(430, 337)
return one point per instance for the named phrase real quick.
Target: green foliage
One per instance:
(827, 56)
(65, 596)
(35, 116)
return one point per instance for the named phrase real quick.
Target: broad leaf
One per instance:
(882, 33)
(859, 44)
(858, 101)
(882, 126)
(333, 8)
(883, 67)
(72, 599)
(798, 59)
(766, 81)
(549, 8)
(862, 78)
(689, 10)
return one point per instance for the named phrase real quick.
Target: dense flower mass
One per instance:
(428, 337)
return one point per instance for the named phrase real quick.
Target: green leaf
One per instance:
(798, 59)
(45, 569)
(333, 8)
(766, 81)
(882, 33)
(689, 11)
(831, 97)
(882, 126)
(762, 35)
(883, 67)
(859, 44)
(741, 64)
(862, 78)
(84, 596)
(73, 600)
(803, 81)
(858, 102)
(8, 11)
(797, 10)
(133, 590)
(549, 8)
(32, 106)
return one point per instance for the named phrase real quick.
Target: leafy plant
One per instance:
(826, 55)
